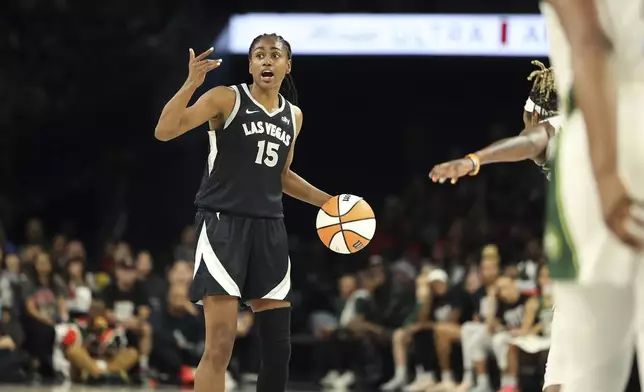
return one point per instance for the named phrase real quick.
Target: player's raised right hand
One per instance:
(199, 66)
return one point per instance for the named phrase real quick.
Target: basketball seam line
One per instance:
(337, 216)
(341, 223)
(356, 233)
(354, 204)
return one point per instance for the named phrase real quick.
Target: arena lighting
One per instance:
(392, 34)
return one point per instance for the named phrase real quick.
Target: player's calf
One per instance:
(274, 328)
(221, 325)
(218, 347)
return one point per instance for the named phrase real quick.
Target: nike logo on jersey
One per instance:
(259, 127)
(248, 111)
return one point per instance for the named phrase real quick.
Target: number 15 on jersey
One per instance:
(267, 153)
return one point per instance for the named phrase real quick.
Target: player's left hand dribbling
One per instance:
(452, 170)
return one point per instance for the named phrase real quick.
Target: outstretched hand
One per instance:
(452, 170)
(199, 66)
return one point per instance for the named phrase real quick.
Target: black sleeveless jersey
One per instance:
(244, 170)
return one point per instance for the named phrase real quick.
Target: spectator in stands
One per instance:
(328, 328)
(101, 354)
(508, 324)
(13, 361)
(34, 232)
(106, 260)
(471, 331)
(179, 335)
(394, 299)
(28, 254)
(10, 282)
(180, 273)
(502, 322)
(186, 249)
(75, 248)
(79, 293)
(416, 327)
(57, 252)
(45, 306)
(449, 312)
(128, 307)
(155, 286)
(511, 271)
(534, 340)
(122, 252)
(440, 311)
(360, 333)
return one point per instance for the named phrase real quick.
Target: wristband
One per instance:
(476, 162)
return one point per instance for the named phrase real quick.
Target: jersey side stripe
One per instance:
(212, 155)
(233, 114)
(293, 118)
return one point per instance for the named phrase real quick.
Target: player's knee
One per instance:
(219, 345)
(274, 327)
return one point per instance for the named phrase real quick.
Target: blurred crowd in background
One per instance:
(134, 322)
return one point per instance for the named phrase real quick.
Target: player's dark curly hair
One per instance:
(287, 89)
(544, 90)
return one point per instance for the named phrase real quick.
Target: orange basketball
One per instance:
(346, 224)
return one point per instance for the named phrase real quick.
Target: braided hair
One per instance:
(544, 90)
(287, 89)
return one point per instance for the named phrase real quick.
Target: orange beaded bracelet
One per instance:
(477, 164)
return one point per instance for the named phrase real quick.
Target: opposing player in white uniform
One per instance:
(595, 229)
(537, 142)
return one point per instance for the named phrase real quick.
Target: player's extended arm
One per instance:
(294, 185)
(177, 119)
(531, 143)
(593, 80)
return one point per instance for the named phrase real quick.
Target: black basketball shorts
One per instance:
(240, 256)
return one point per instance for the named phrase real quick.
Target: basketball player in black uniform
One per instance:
(242, 251)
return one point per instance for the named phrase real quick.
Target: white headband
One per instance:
(530, 106)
